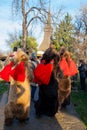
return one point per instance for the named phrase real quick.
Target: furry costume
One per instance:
(18, 105)
(64, 90)
(69, 68)
(47, 103)
(67, 65)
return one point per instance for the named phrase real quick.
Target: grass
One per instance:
(79, 100)
(3, 87)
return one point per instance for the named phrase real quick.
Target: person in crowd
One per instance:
(82, 72)
(69, 69)
(34, 62)
(45, 74)
(67, 64)
(39, 58)
(86, 68)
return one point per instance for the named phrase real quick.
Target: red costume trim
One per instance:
(64, 67)
(42, 73)
(18, 72)
(73, 68)
(68, 69)
(5, 72)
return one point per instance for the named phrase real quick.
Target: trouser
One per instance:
(82, 82)
(33, 90)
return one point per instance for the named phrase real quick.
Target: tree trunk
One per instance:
(24, 40)
(24, 26)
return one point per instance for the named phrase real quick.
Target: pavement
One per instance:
(66, 119)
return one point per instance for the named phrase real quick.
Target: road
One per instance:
(67, 119)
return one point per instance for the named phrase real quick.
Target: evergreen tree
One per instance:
(63, 35)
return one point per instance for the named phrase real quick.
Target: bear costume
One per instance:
(45, 76)
(64, 91)
(69, 68)
(19, 76)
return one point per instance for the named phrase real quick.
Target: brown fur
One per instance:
(64, 90)
(18, 105)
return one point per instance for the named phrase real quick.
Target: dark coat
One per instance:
(82, 71)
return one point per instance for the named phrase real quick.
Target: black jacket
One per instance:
(82, 70)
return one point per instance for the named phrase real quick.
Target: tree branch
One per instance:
(36, 17)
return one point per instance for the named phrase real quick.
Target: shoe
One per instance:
(24, 120)
(8, 121)
(38, 115)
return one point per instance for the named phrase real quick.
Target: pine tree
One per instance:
(63, 35)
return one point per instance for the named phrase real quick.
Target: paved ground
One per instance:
(66, 119)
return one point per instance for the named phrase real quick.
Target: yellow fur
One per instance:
(19, 94)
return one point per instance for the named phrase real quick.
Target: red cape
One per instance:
(42, 73)
(64, 67)
(18, 72)
(73, 68)
(68, 70)
(5, 72)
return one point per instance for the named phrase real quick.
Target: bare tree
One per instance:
(12, 37)
(81, 21)
(84, 18)
(30, 13)
(81, 32)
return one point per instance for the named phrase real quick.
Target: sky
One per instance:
(8, 24)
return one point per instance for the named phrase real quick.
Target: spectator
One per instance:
(34, 63)
(82, 72)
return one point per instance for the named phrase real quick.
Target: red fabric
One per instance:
(68, 70)
(73, 68)
(5, 72)
(42, 73)
(18, 73)
(64, 67)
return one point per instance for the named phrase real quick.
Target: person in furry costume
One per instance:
(19, 76)
(64, 90)
(69, 69)
(45, 75)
